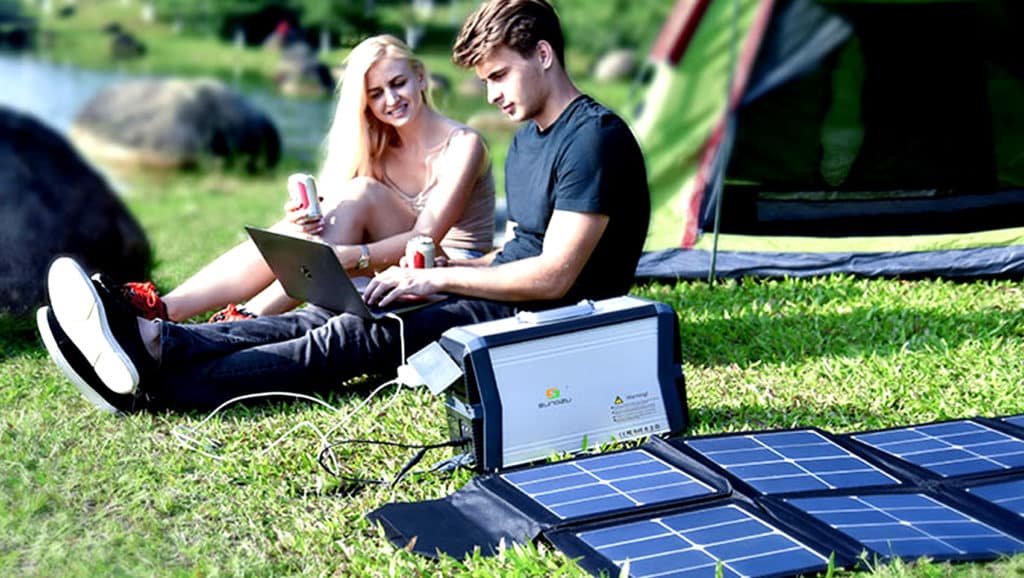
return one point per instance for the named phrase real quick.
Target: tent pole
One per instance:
(720, 185)
(714, 245)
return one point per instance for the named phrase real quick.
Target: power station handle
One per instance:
(581, 309)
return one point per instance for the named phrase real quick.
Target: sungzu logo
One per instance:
(554, 397)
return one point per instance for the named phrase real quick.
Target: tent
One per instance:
(808, 137)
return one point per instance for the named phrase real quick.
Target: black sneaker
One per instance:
(77, 369)
(99, 324)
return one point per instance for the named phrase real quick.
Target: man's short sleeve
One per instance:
(587, 173)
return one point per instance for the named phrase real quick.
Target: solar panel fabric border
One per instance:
(695, 542)
(788, 461)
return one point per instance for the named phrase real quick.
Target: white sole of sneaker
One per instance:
(81, 315)
(69, 372)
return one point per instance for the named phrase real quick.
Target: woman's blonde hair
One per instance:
(357, 140)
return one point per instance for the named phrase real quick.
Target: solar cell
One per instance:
(790, 461)
(1017, 420)
(605, 483)
(1008, 495)
(951, 448)
(694, 543)
(909, 526)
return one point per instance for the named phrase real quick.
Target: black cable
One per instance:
(417, 457)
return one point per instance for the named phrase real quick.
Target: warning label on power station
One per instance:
(634, 407)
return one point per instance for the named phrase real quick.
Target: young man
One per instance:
(577, 194)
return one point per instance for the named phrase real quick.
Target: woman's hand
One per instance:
(439, 261)
(295, 214)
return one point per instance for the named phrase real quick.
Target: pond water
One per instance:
(54, 93)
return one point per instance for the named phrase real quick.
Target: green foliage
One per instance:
(9, 10)
(595, 27)
(345, 19)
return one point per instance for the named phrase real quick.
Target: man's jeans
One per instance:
(305, 351)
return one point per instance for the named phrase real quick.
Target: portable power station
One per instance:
(565, 380)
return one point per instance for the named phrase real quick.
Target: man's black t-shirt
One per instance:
(586, 161)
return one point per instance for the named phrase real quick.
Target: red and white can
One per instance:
(302, 190)
(419, 252)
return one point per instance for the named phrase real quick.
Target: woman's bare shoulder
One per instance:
(463, 139)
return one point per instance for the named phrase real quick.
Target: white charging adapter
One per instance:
(409, 377)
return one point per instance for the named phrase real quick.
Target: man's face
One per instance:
(514, 83)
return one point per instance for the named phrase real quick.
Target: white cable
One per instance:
(197, 445)
(361, 404)
(401, 332)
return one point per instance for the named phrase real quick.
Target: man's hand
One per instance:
(395, 282)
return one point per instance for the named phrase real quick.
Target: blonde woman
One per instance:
(394, 168)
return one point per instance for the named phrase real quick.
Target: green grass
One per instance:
(85, 494)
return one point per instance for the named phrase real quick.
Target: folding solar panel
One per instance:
(607, 483)
(790, 461)
(1008, 495)
(693, 544)
(910, 525)
(954, 448)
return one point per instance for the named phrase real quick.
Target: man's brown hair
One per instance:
(515, 24)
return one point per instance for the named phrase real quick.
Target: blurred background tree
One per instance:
(322, 23)
(593, 28)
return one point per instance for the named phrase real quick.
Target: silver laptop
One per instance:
(310, 271)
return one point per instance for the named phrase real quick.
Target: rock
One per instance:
(615, 65)
(124, 46)
(53, 203)
(300, 72)
(491, 120)
(175, 124)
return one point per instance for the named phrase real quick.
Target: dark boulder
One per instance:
(300, 73)
(176, 124)
(53, 203)
(125, 46)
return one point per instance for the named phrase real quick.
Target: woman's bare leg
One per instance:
(231, 278)
(271, 301)
(235, 276)
(365, 211)
(369, 211)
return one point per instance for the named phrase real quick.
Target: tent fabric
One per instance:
(846, 120)
(694, 264)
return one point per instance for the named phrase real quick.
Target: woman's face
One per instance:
(394, 91)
